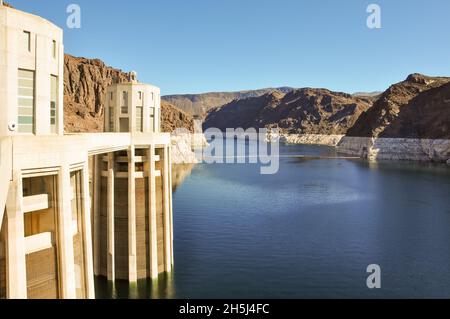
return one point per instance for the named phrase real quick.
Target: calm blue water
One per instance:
(309, 231)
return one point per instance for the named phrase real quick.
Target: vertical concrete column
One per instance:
(166, 210)
(65, 231)
(152, 230)
(132, 261)
(87, 235)
(145, 111)
(60, 106)
(97, 169)
(15, 241)
(171, 203)
(132, 108)
(110, 220)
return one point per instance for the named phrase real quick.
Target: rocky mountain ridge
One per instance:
(199, 104)
(306, 111)
(418, 107)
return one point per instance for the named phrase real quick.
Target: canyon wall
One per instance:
(400, 149)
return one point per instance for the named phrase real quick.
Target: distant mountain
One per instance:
(200, 104)
(368, 95)
(418, 107)
(307, 111)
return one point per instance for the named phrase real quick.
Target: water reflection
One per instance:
(161, 288)
(307, 232)
(179, 173)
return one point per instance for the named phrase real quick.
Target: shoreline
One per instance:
(374, 149)
(183, 147)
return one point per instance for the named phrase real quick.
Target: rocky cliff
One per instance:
(417, 108)
(173, 118)
(200, 104)
(85, 82)
(304, 111)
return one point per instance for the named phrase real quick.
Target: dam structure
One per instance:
(75, 206)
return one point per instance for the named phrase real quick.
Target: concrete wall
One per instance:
(121, 227)
(39, 59)
(42, 275)
(2, 264)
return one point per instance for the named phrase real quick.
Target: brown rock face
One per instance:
(85, 83)
(173, 118)
(418, 107)
(306, 111)
(6, 4)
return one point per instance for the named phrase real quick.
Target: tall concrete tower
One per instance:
(133, 107)
(31, 74)
(134, 188)
(44, 234)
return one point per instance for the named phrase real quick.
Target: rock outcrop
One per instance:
(182, 149)
(85, 83)
(173, 118)
(399, 149)
(409, 121)
(6, 4)
(302, 111)
(417, 108)
(312, 139)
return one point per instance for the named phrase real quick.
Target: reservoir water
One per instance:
(309, 231)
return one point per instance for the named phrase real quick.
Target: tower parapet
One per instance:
(133, 107)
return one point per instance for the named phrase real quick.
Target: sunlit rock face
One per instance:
(397, 148)
(417, 108)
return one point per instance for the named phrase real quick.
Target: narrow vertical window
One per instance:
(111, 96)
(124, 107)
(152, 119)
(54, 49)
(139, 119)
(26, 41)
(53, 103)
(26, 101)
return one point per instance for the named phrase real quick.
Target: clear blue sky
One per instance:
(192, 46)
